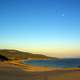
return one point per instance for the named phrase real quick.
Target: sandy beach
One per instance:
(14, 70)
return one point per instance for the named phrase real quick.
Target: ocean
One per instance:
(61, 63)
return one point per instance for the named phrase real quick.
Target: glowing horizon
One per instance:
(60, 52)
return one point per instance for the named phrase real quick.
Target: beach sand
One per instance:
(14, 70)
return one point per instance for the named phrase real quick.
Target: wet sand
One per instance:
(17, 71)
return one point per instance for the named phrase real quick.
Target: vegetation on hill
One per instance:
(18, 55)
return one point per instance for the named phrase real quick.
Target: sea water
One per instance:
(63, 63)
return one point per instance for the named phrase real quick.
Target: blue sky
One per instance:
(51, 26)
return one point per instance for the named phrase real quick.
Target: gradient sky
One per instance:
(50, 27)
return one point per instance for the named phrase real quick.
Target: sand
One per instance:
(14, 70)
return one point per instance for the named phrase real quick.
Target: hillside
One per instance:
(18, 55)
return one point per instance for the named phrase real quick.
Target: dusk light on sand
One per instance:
(39, 38)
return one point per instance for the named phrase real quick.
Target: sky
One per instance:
(50, 27)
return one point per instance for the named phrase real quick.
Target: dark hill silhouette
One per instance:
(3, 58)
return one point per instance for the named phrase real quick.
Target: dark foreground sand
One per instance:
(9, 71)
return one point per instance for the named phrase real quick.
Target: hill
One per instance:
(19, 55)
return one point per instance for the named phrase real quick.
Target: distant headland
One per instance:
(20, 55)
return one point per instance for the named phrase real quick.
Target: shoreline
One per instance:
(32, 68)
